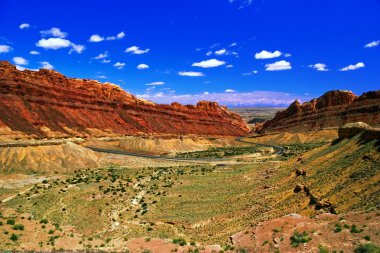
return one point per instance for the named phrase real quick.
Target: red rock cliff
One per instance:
(333, 109)
(45, 103)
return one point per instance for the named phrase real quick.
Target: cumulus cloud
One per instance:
(209, 53)
(53, 43)
(34, 52)
(221, 51)
(209, 63)
(77, 48)
(57, 43)
(119, 65)
(46, 65)
(353, 67)
(190, 73)
(102, 56)
(105, 61)
(229, 90)
(116, 37)
(319, 67)
(268, 55)
(20, 61)
(280, 65)
(54, 32)
(256, 98)
(136, 50)
(142, 66)
(24, 26)
(233, 44)
(373, 44)
(229, 66)
(95, 38)
(5, 49)
(120, 35)
(155, 83)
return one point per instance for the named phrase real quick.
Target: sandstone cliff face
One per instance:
(333, 109)
(45, 103)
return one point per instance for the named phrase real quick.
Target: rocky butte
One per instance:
(333, 109)
(46, 104)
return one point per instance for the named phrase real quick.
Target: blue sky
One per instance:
(240, 52)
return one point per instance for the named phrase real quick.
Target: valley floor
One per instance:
(317, 196)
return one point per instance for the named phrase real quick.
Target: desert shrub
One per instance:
(322, 249)
(44, 221)
(355, 230)
(298, 238)
(18, 227)
(181, 241)
(367, 237)
(367, 248)
(11, 222)
(13, 237)
(338, 228)
(51, 231)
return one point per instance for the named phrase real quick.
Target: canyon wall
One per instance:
(46, 104)
(333, 109)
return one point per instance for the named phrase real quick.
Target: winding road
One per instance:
(277, 151)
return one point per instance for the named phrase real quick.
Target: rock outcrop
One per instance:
(45, 103)
(333, 109)
(351, 129)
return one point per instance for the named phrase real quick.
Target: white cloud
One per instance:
(250, 73)
(102, 56)
(5, 48)
(53, 43)
(77, 48)
(136, 50)
(120, 35)
(20, 61)
(233, 44)
(209, 53)
(34, 52)
(229, 90)
(353, 67)
(319, 67)
(54, 32)
(209, 63)
(155, 83)
(24, 26)
(102, 77)
(373, 44)
(119, 65)
(267, 55)
(256, 98)
(105, 61)
(288, 55)
(190, 73)
(229, 66)
(57, 43)
(221, 52)
(95, 38)
(142, 66)
(280, 65)
(46, 65)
